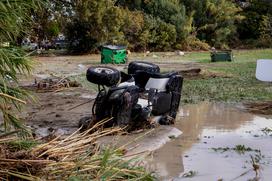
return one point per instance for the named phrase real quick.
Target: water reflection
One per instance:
(223, 124)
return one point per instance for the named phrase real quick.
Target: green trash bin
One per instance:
(113, 54)
(217, 56)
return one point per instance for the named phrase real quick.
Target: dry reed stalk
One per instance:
(12, 97)
(26, 161)
(74, 142)
(5, 140)
(77, 154)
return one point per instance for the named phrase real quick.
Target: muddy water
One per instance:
(207, 126)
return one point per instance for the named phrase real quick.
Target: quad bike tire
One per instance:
(103, 76)
(135, 66)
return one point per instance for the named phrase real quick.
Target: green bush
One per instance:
(193, 43)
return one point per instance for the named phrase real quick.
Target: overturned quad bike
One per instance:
(135, 99)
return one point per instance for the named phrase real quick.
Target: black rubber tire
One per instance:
(133, 67)
(103, 75)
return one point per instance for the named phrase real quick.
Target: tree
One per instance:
(215, 20)
(130, 4)
(95, 23)
(133, 29)
(169, 11)
(256, 14)
(14, 22)
(161, 35)
(51, 20)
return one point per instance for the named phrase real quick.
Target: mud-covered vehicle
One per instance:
(135, 99)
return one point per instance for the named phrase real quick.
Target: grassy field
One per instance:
(240, 85)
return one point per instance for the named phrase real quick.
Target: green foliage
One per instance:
(14, 22)
(134, 31)
(14, 15)
(169, 11)
(165, 24)
(193, 43)
(215, 21)
(160, 35)
(50, 20)
(53, 29)
(18, 145)
(95, 23)
(257, 22)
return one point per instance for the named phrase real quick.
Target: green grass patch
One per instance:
(21, 144)
(241, 86)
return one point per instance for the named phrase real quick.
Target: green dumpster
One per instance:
(225, 55)
(113, 54)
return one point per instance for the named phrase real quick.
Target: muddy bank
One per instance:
(264, 108)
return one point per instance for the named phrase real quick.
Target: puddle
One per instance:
(206, 126)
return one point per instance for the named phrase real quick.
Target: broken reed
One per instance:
(76, 157)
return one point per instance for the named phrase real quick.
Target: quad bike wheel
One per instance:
(103, 76)
(133, 67)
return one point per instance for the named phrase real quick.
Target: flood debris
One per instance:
(189, 174)
(14, 158)
(241, 149)
(76, 156)
(267, 131)
(52, 84)
(264, 108)
(198, 73)
(55, 83)
(193, 72)
(179, 53)
(255, 167)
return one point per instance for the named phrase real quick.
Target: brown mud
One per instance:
(51, 114)
(259, 107)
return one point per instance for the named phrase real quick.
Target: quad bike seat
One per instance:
(148, 80)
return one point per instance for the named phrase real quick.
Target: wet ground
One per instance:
(201, 145)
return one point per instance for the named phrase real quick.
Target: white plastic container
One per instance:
(264, 70)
